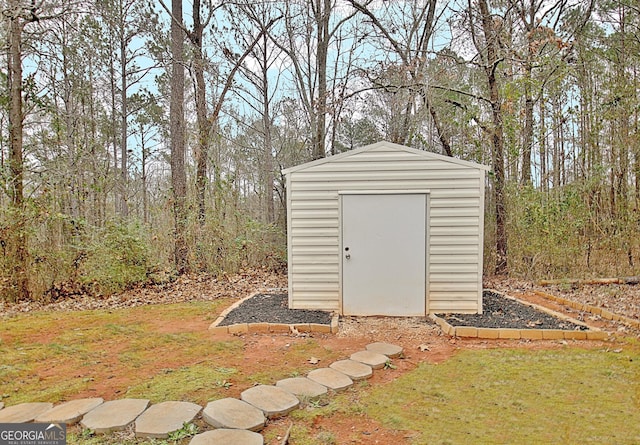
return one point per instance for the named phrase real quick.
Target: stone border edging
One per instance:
(282, 328)
(514, 334)
(608, 315)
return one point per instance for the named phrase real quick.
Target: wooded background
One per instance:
(142, 139)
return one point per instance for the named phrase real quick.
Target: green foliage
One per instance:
(187, 430)
(236, 242)
(116, 257)
(389, 365)
(566, 232)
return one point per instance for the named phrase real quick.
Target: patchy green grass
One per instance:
(198, 383)
(569, 396)
(159, 352)
(54, 356)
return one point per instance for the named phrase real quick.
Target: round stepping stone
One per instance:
(226, 437)
(370, 358)
(234, 414)
(330, 378)
(302, 387)
(69, 412)
(352, 369)
(164, 418)
(115, 415)
(274, 402)
(391, 351)
(24, 412)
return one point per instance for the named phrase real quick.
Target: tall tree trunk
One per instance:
(543, 145)
(322, 16)
(18, 238)
(527, 139)
(267, 156)
(114, 123)
(491, 66)
(143, 173)
(124, 155)
(202, 145)
(176, 117)
(442, 135)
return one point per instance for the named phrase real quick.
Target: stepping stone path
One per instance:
(391, 351)
(227, 437)
(115, 415)
(373, 359)
(273, 401)
(330, 378)
(25, 412)
(236, 420)
(354, 370)
(233, 414)
(164, 418)
(302, 387)
(69, 412)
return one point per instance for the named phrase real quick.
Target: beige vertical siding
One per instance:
(454, 254)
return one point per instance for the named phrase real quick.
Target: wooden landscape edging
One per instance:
(530, 334)
(607, 315)
(281, 328)
(577, 281)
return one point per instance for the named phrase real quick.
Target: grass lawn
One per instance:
(572, 395)
(569, 396)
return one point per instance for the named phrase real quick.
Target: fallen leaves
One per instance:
(198, 287)
(623, 299)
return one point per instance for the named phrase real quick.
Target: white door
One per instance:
(384, 254)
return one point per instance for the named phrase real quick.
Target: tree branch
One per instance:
(238, 64)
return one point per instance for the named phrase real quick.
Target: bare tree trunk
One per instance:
(124, 168)
(444, 138)
(18, 239)
(202, 146)
(322, 16)
(491, 66)
(176, 117)
(114, 125)
(144, 179)
(543, 146)
(527, 140)
(267, 156)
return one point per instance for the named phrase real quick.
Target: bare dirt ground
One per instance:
(422, 340)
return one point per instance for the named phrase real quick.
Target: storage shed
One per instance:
(386, 230)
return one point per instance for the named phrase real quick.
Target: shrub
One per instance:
(116, 257)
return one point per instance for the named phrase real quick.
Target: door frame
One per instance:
(427, 210)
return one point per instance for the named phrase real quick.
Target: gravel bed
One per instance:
(273, 308)
(501, 312)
